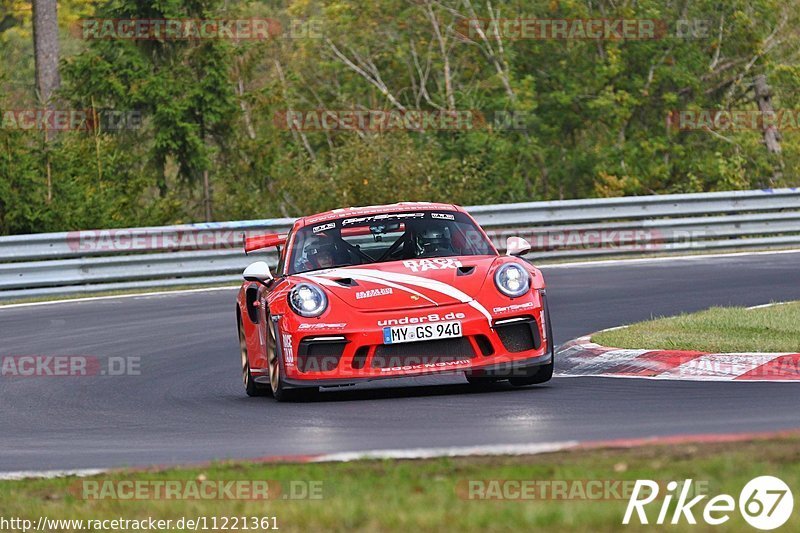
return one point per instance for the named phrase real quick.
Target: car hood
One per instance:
(406, 284)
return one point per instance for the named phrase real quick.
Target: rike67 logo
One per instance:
(765, 503)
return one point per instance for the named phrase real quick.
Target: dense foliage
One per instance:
(594, 111)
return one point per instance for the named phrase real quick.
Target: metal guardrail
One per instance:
(195, 254)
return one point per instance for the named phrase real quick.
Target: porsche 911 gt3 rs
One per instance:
(390, 291)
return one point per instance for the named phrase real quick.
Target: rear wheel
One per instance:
(250, 386)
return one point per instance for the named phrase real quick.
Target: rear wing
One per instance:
(259, 242)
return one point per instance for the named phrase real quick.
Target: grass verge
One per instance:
(716, 330)
(430, 495)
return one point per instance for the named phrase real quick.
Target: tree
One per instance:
(45, 47)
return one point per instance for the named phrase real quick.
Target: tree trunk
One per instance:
(207, 195)
(772, 137)
(45, 48)
(763, 96)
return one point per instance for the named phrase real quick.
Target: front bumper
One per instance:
(518, 368)
(330, 354)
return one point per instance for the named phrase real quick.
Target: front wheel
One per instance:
(535, 375)
(278, 387)
(544, 373)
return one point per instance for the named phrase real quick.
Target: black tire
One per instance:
(539, 374)
(535, 376)
(250, 386)
(278, 387)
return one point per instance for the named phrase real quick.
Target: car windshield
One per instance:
(387, 237)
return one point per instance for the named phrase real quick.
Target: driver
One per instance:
(434, 241)
(322, 255)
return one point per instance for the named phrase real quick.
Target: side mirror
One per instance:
(517, 246)
(258, 271)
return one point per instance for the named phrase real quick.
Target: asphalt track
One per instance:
(187, 405)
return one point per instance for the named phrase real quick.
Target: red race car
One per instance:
(390, 291)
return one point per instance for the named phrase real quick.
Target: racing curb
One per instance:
(582, 357)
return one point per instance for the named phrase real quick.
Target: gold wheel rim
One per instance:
(245, 365)
(274, 366)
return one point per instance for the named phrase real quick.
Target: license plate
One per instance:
(421, 332)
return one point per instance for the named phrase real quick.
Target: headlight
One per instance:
(512, 280)
(308, 300)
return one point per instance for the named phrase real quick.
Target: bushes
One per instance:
(594, 112)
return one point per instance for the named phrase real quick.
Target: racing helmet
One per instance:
(321, 254)
(433, 240)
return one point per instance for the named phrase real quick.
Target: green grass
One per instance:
(422, 495)
(716, 330)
